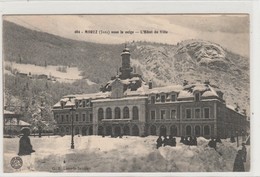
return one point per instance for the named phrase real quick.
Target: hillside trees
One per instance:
(34, 98)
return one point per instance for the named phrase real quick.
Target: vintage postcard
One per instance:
(126, 93)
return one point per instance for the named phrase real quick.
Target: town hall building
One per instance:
(127, 105)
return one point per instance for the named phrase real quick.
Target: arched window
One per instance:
(188, 130)
(135, 113)
(100, 114)
(197, 130)
(152, 130)
(173, 130)
(206, 130)
(126, 112)
(117, 113)
(108, 113)
(163, 131)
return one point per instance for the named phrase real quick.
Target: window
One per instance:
(197, 130)
(117, 113)
(163, 98)
(126, 112)
(77, 104)
(173, 98)
(152, 99)
(188, 130)
(57, 117)
(67, 129)
(188, 113)
(77, 117)
(135, 113)
(206, 130)
(173, 114)
(91, 117)
(83, 117)
(67, 118)
(163, 114)
(197, 113)
(100, 114)
(83, 104)
(206, 113)
(153, 115)
(62, 118)
(197, 96)
(108, 113)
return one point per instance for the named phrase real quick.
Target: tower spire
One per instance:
(126, 68)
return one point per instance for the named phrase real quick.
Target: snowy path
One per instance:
(129, 154)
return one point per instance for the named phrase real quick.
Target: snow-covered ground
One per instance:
(127, 154)
(72, 73)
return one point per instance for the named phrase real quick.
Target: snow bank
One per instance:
(127, 154)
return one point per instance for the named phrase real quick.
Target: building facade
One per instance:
(127, 105)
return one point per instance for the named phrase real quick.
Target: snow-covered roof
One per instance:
(89, 96)
(185, 94)
(124, 98)
(8, 112)
(20, 123)
(234, 109)
(166, 89)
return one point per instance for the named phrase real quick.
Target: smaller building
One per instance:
(13, 124)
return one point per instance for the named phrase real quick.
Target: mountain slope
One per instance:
(190, 60)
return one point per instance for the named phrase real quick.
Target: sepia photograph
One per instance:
(119, 93)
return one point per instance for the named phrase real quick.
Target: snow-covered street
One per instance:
(127, 154)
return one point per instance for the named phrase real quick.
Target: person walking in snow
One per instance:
(25, 147)
(239, 164)
(26, 150)
(159, 142)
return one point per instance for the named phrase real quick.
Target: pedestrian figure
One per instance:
(26, 150)
(182, 140)
(25, 147)
(212, 143)
(159, 142)
(174, 142)
(192, 141)
(195, 141)
(218, 140)
(170, 143)
(244, 152)
(185, 141)
(239, 164)
(166, 141)
(232, 139)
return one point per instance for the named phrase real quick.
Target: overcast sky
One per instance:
(230, 31)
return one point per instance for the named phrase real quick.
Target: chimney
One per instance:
(150, 84)
(185, 82)
(207, 82)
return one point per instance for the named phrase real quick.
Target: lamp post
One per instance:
(72, 127)
(237, 139)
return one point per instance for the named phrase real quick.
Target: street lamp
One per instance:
(237, 139)
(72, 127)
